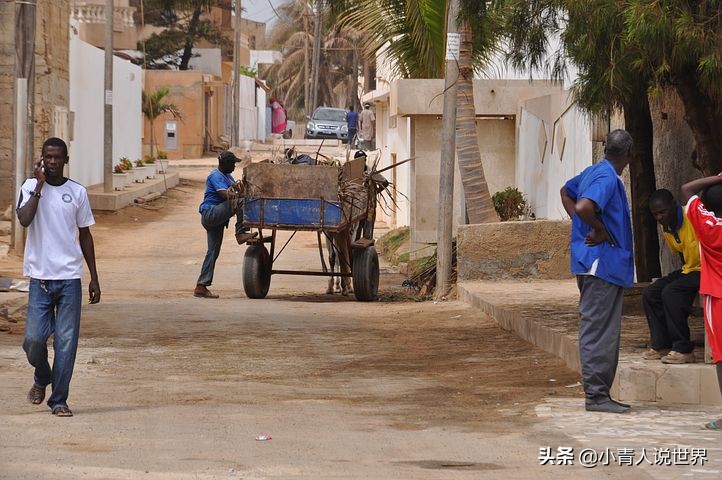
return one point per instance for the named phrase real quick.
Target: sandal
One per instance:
(36, 395)
(711, 426)
(62, 412)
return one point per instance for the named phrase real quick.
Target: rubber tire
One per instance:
(256, 271)
(365, 270)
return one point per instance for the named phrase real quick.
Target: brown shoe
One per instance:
(242, 238)
(653, 354)
(36, 395)
(202, 292)
(675, 358)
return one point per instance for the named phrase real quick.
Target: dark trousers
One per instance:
(214, 220)
(668, 303)
(600, 322)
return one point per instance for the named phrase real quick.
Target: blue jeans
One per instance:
(214, 220)
(53, 308)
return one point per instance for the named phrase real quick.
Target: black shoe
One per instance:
(606, 405)
(625, 405)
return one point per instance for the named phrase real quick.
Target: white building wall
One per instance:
(553, 145)
(248, 128)
(393, 144)
(87, 103)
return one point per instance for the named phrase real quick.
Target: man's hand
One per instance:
(39, 172)
(597, 236)
(94, 291)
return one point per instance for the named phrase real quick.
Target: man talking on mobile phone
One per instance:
(53, 208)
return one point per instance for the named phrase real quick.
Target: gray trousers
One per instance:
(600, 322)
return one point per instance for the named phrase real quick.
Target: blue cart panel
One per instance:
(292, 213)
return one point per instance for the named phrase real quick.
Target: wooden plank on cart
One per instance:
(269, 180)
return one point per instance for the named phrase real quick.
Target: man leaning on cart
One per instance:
(216, 211)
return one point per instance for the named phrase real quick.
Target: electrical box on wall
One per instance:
(171, 135)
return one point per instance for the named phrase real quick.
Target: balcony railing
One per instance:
(94, 13)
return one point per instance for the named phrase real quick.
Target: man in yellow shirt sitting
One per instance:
(668, 301)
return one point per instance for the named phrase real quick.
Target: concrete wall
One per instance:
(491, 97)
(503, 250)
(248, 128)
(51, 85)
(553, 145)
(187, 93)
(91, 27)
(7, 104)
(394, 145)
(87, 102)
(496, 142)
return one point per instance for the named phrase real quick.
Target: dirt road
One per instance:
(168, 386)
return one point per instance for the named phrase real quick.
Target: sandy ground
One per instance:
(168, 386)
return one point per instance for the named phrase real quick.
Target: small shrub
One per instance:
(509, 204)
(162, 155)
(139, 163)
(125, 164)
(147, 159)
(118, 169)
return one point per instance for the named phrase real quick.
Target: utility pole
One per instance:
(236, 93)
(25, 12)
(108, 104)
(448, 152)
(316, 60)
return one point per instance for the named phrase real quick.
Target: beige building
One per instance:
(90, 15)
(201, 99)
(408, 125)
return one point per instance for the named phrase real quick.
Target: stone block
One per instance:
(503, 250)
(637, 383)
(679, 384)
(709, 390)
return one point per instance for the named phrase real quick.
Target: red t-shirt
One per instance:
(709, 233)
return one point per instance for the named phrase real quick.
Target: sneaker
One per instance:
(653, 354)
(674, 357)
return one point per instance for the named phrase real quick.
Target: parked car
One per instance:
(327, 122)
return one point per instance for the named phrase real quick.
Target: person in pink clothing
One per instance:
(278, 116)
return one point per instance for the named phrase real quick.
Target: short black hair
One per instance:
(619, 143)
(662, 195)
(712, 198)
(56, 142)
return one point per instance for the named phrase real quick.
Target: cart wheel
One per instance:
(365, 269)
(256, 271)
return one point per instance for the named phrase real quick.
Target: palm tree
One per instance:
(154, 106)
(289, 78)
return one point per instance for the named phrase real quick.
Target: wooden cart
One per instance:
(337, 203)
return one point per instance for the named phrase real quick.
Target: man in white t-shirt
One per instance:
(57, 214)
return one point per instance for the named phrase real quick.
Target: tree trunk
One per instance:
(479, 207)
(638, 122)
(704, 120)
(190, 40)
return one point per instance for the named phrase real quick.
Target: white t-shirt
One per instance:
(52, 250)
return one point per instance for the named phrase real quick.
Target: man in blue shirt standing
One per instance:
(602, 258)
(216, 211)
(351, 123)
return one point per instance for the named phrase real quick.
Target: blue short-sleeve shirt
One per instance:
(351, 119)
(601, 184)
(216, 181)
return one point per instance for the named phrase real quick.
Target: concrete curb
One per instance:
(636, 379)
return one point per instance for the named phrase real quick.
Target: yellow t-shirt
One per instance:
(687, 245)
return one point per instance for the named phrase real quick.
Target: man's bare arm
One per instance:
(695, 186)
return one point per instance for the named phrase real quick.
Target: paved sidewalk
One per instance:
(544, 312)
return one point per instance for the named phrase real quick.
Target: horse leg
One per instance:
(332, 264)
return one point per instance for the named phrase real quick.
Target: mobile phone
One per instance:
(42, 165)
